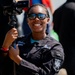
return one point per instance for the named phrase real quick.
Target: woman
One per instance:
(25, 28)
(38, 53)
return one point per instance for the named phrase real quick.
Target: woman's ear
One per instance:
(48, 20)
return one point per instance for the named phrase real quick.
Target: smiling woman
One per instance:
(37, 53)
(38, 18)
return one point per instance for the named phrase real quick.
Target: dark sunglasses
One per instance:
(40, 16)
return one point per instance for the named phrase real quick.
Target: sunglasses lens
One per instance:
(39, 16)
(31, 16)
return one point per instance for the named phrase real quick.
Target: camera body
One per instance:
(11, 8)
(18, 3)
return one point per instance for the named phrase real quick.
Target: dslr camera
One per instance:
(12, 7)
(9, 6)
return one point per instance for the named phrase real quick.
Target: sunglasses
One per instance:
(40, 16)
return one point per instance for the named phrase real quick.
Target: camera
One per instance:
(11, 8)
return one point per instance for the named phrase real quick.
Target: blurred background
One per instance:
(58, 3)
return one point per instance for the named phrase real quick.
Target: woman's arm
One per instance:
(9, 38)
(51, 63)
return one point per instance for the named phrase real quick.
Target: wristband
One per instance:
(4, 49)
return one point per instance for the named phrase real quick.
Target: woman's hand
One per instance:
(10, 37)
(14, 54)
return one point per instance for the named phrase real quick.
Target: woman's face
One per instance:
(37, 24)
